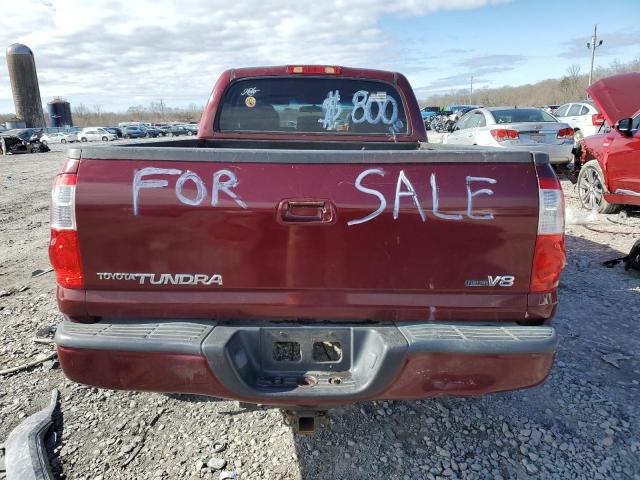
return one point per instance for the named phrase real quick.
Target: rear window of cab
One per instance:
(312, 105)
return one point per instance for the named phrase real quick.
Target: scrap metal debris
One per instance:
(26, 456)
(614, 358)
(39, 272)
(219, 447)
(228, 475)
(45, 335)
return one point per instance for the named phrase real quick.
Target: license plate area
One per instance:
(537, 137)
(280, 360)
(303, 350)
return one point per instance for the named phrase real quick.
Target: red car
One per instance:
(307, 250)
(610, 162)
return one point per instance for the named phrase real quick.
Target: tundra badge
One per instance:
(165, 278)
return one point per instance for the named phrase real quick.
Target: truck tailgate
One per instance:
(289, 234)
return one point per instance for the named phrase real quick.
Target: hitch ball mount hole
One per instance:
(307, 381)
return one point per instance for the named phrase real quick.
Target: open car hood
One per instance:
(617, 97)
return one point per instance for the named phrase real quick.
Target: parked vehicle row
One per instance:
(127, 131)
(428, 113)
(175, 130)
(123, 130)
(442, 119)
(598, 140)
(584, 117)
(140, 132)
(529, 129)
(161, 129)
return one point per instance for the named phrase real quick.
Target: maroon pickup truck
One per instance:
(307, 250)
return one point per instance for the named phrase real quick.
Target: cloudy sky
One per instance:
(117, 53)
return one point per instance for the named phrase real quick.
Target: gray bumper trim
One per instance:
(171, 336)
(178, 336)
(478, 339)
(26, 456)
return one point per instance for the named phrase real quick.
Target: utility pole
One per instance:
(471, 91)
(592, 46)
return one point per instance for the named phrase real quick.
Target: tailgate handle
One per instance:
(306, 211)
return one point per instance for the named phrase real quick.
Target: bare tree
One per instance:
(97, 110)
(572, 86)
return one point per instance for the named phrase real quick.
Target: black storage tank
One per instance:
(59, 113)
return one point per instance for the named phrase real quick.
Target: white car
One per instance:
(90, 134)
(522, 128)
(583, 117)
(58, 137)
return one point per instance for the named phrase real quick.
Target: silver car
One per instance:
(58, 137)
(515, 128)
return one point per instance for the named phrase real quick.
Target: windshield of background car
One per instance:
(521, 115)
(312, 105)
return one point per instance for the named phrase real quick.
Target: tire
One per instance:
(83, 139)
(147, 135)
(189, 133)
(44, 142)
(63, 141)
(105, 139)
(591, 189)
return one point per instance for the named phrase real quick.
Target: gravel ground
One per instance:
(583, 422)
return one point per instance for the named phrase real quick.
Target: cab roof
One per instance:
(282, 71)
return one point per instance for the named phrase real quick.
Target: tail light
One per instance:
(565, 133)
(503, 134)
(549, 257)
(597, 119)
(314, 70)
(64, 247)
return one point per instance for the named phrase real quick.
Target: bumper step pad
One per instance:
(480, 338)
